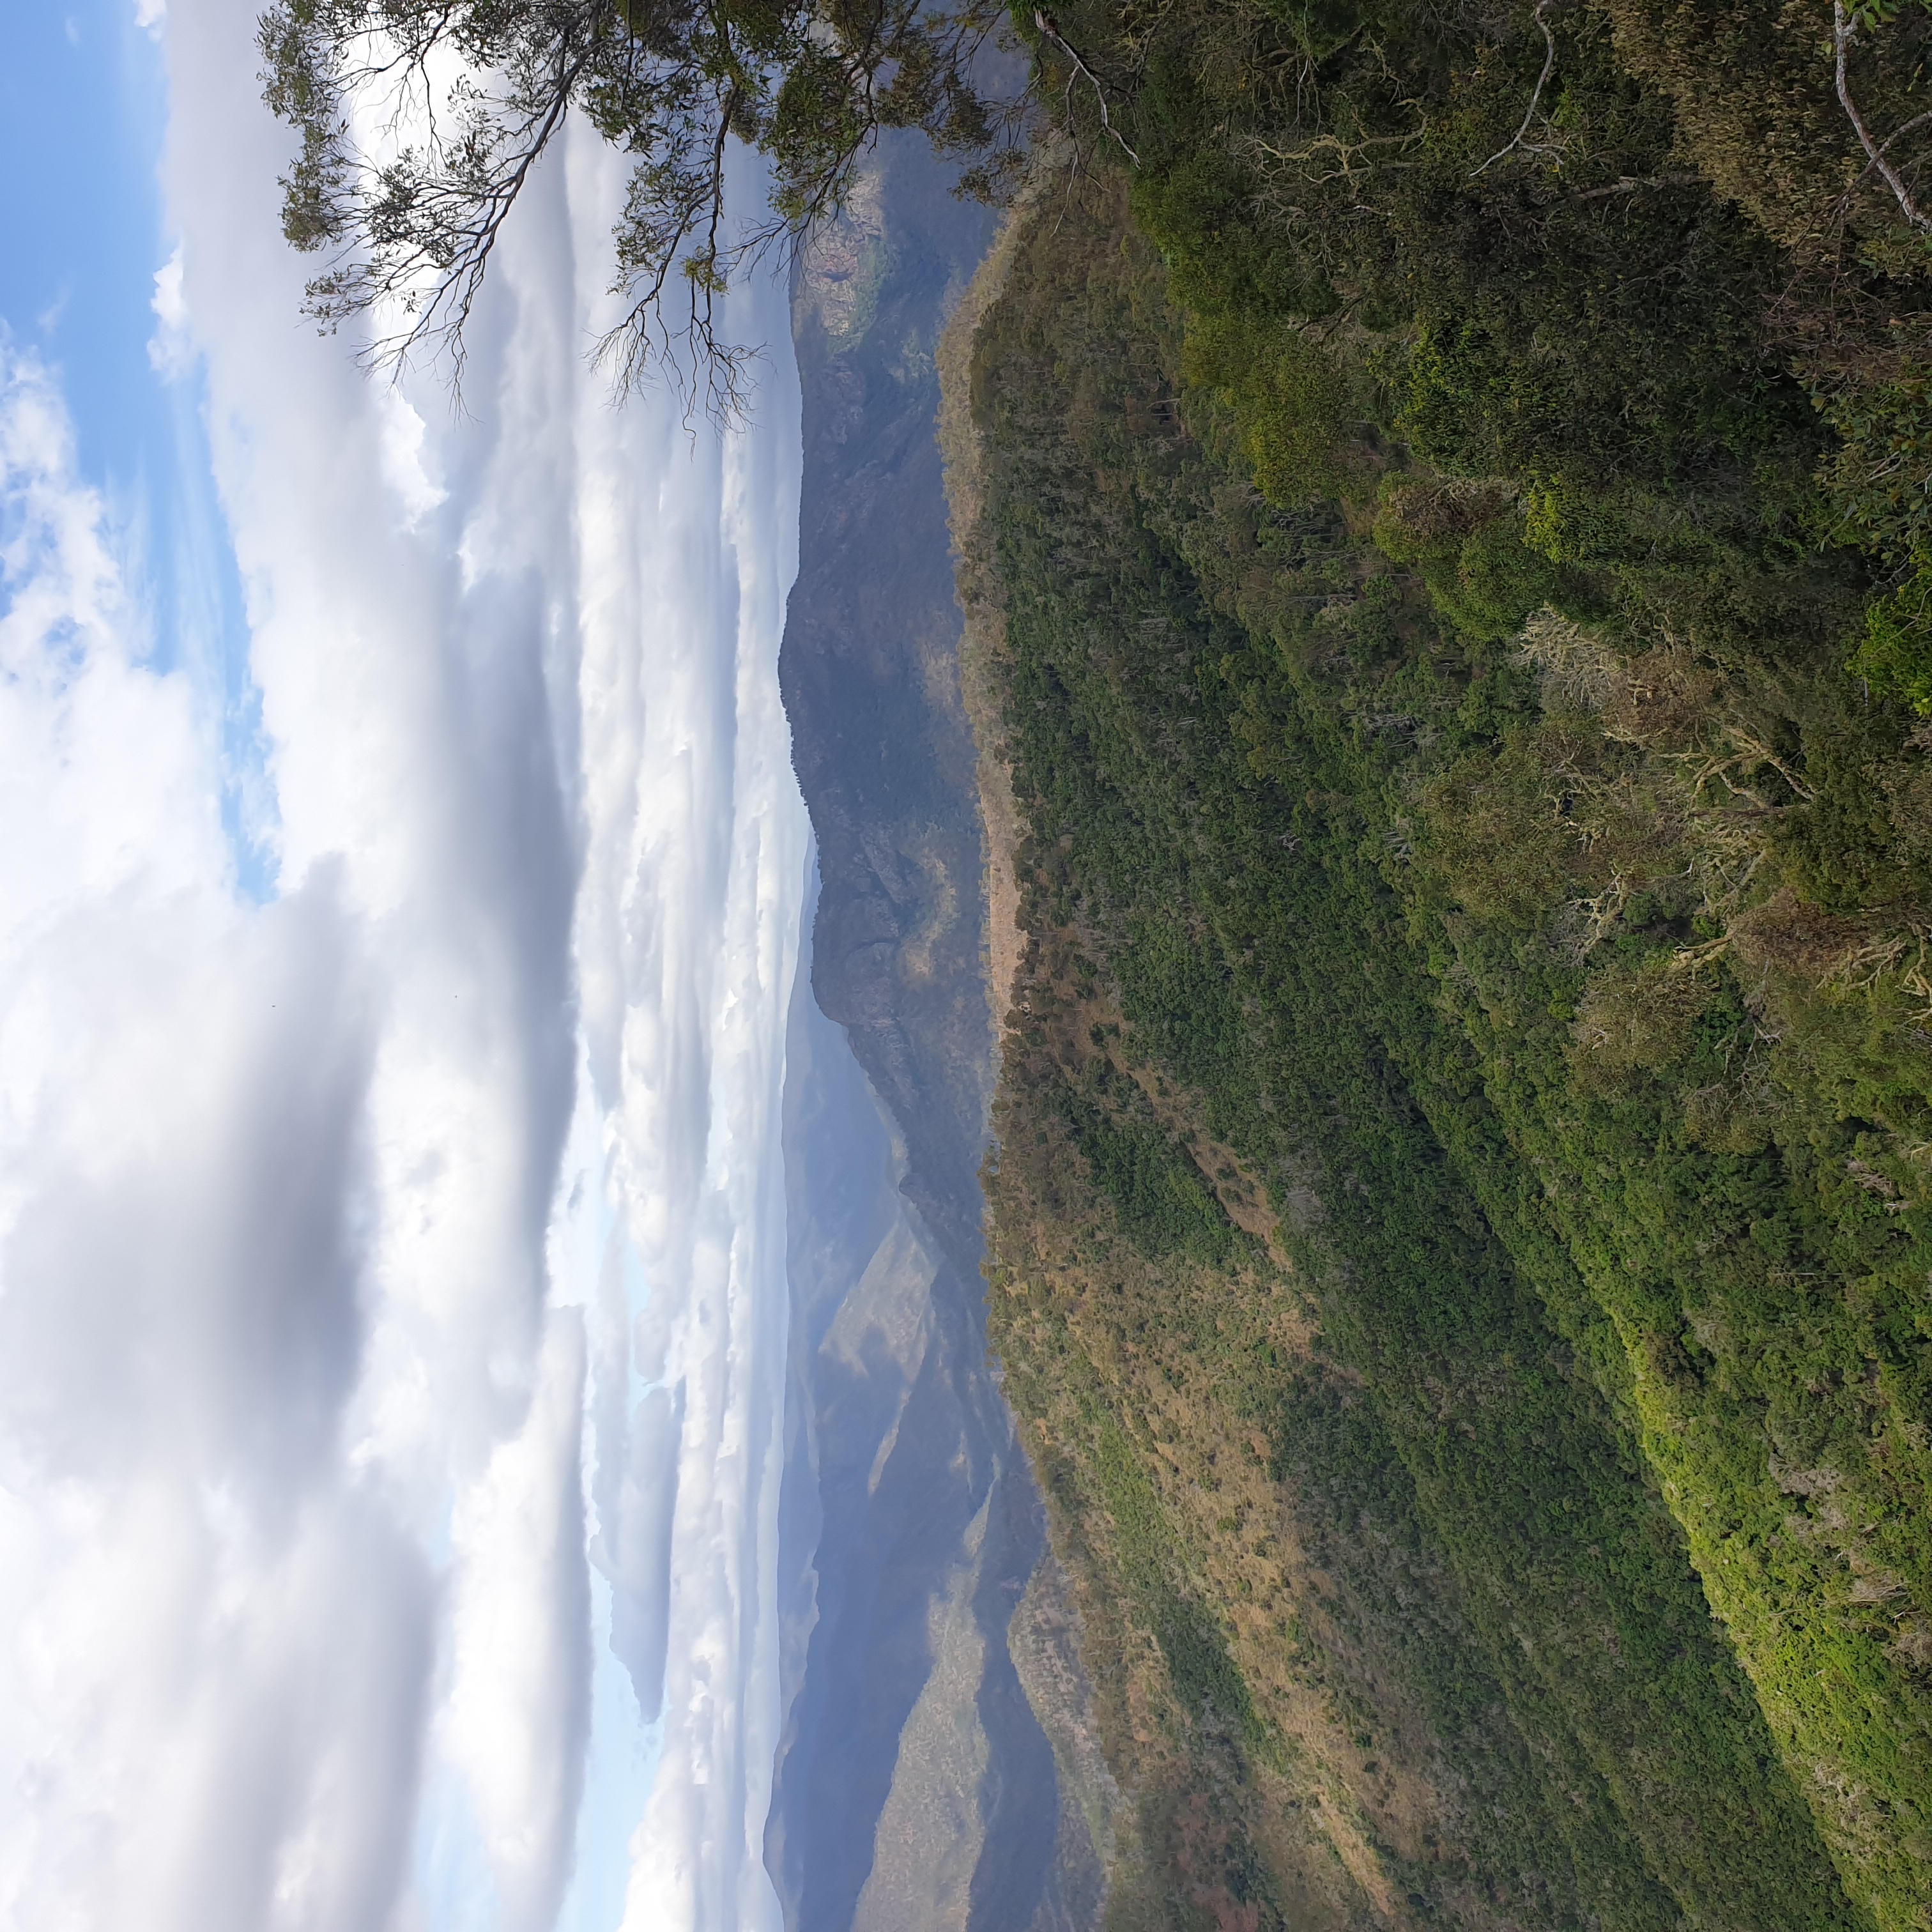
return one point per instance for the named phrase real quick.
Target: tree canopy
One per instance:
(420, 121)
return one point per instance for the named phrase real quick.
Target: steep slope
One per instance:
(1319, 1213)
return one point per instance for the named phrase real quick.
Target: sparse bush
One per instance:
(1785, 936)
(1431, 517)
(1730, 1118)
(1497, 831)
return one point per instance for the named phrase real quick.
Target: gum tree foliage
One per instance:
(420, 121)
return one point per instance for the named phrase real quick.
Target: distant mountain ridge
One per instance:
(915, 1788)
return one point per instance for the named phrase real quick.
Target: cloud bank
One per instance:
(311, 1429)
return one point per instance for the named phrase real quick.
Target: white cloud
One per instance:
(403, 434)
(293, 1528)
(207, 1625)
(94, 753)
(689, 922)
(517, 1711)
(171, 348)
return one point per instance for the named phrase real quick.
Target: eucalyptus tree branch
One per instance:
(421, 123)
(1843, 31)
(1044, 22)
(1536, 93)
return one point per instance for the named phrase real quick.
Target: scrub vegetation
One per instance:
(1444, 547)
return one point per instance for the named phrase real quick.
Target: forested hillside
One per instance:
(1442, 501)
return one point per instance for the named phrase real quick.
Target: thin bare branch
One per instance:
(1045, 24)
(1843, 31)
(1536, 94)
(1634, 184)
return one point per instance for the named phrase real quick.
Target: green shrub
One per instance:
(1156, 1189)
(1895, 656)
(1288, 404)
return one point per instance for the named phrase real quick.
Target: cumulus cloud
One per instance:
(219, 1647)
(518, 1703)
(171, 347)
(304, 1452)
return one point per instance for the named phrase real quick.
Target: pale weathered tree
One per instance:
(420, 121)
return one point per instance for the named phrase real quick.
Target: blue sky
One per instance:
(83, 109)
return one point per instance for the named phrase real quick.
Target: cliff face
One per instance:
(915, 1786)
